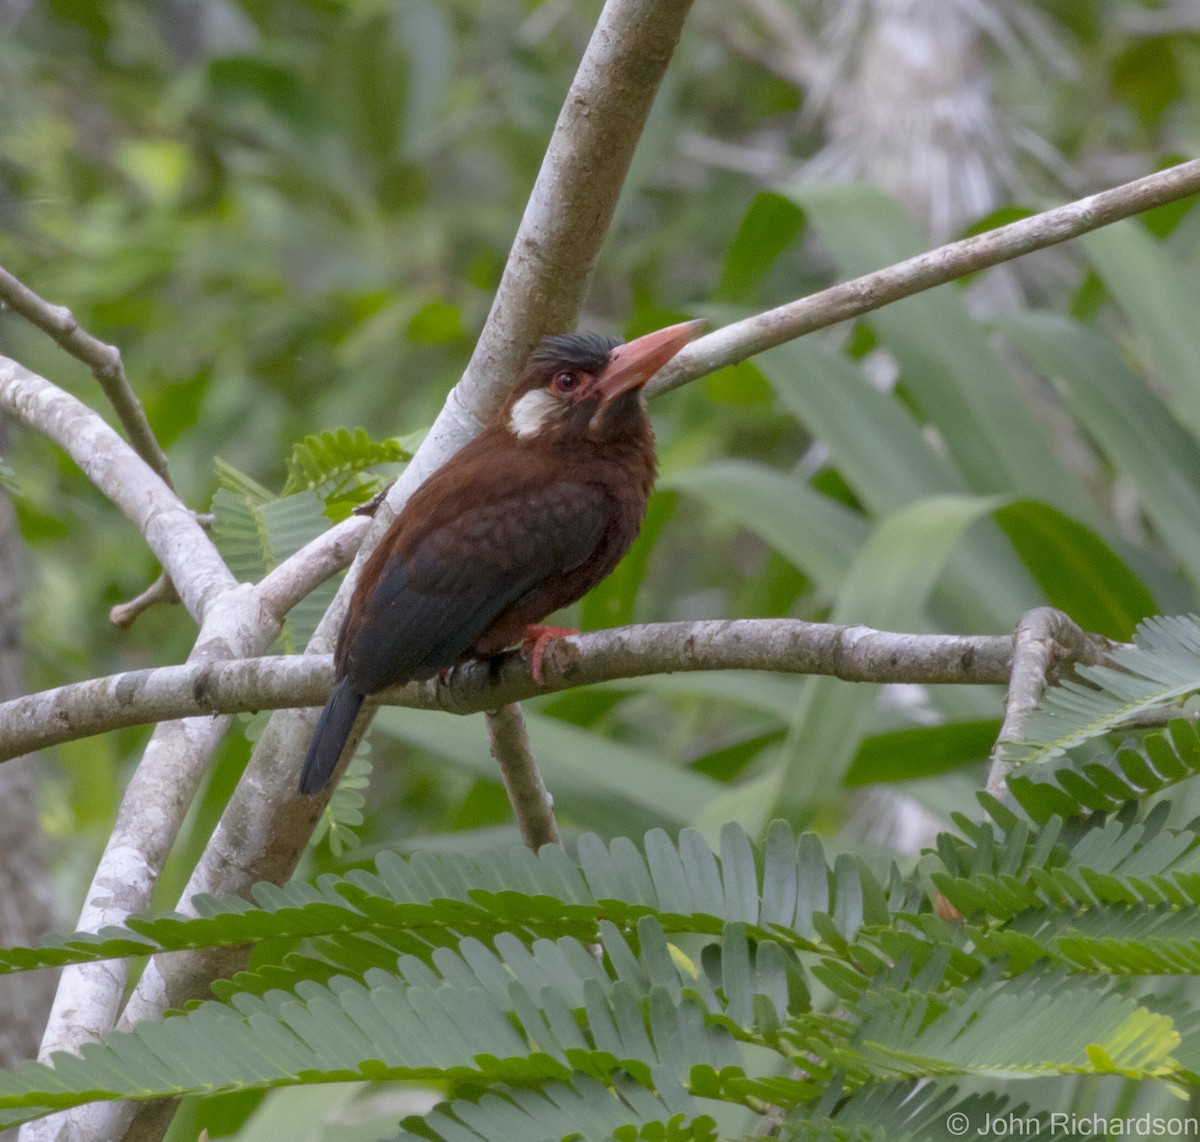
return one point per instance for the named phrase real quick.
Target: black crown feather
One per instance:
(586, 351)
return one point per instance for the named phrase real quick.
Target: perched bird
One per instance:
(526, 518)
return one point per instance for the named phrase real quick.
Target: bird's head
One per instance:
(581, 386)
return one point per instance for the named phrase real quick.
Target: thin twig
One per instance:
(1046, 642)
(852, 653)
(107, 367)
(532, 804)
(104, 360)
(161, 591)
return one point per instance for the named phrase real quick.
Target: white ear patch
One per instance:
(530, 413)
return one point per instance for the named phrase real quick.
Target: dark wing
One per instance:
(438, 592)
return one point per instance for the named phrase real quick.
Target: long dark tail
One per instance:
(329, 738)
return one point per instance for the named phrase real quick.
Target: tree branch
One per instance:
(266, 823)
(1045, 643)
(171, 531)
(59, 323)
(533, 806)
(161, 591)
(852, 653)
(854, 298)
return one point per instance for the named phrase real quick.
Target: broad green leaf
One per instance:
(1161, 300)
(1079, 572)
(573, 761)
(903, 755)
(817, 534)
(958, 381)
(771, 224)
(1142, 439)
(887, 588)
(873, 441)
(883, 455)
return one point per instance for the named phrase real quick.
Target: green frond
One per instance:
(343, 814)
(584, 1108)
(1164, 758)
(1161, 667)
(511, 1014)
(238, 483)
(254, 535)
(986, 1028)
(1104, 858)
(898, 1111)
(330, 463)
(784, 890)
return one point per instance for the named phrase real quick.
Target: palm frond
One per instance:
(784, 890)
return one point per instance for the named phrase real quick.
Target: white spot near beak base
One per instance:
(530, 414)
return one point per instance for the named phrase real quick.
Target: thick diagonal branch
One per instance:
(265, 826)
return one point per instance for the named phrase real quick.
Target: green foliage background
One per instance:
(291, 217)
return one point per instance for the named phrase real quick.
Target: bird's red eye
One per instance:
(565, 382)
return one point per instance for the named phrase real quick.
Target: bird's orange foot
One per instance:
(534, 642)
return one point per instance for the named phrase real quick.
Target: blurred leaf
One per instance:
(887, 588)
(1146, 77)
(1160, 298)
(958, 381)
(1079, 572)
(574, 762)
(816, 533)
(425, 31)
(886, 458)
(923, 751)
(1141, 438)
(772, 223)
(369, 76)
(239, 77)
(740, 384)
(8, 478)
(873, 440)
(158, 168)
(436, 322)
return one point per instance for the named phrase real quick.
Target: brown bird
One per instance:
(526, 518)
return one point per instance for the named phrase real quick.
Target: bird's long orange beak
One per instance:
(631, 365)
